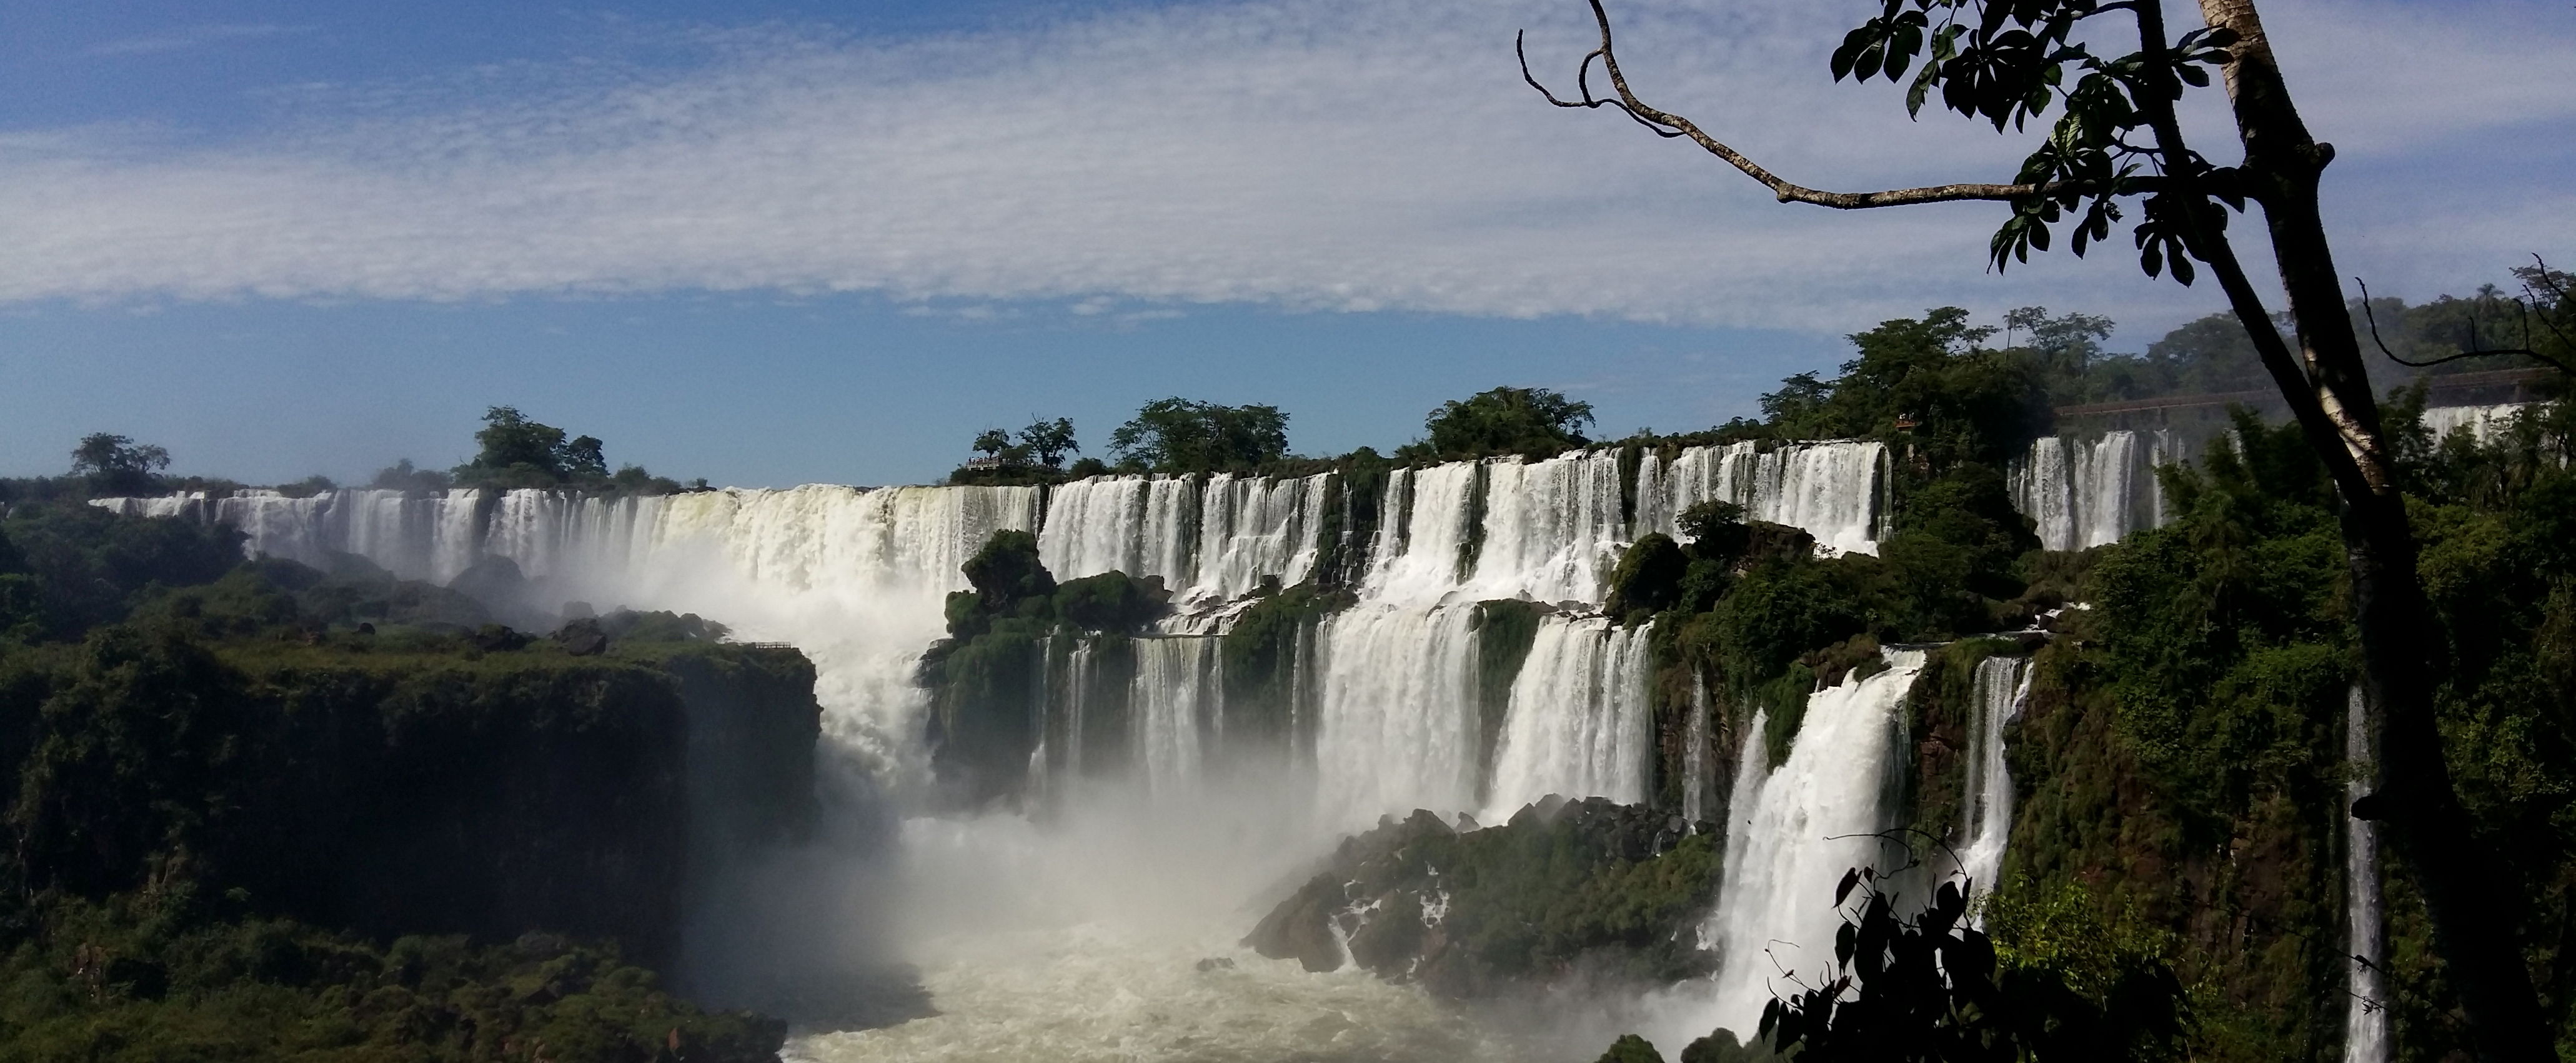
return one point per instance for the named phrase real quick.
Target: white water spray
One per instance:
(1579, 723)
(1793, 833)
(2002, 688)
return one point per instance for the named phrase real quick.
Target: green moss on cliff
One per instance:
(1260, 663)
(1605, 890)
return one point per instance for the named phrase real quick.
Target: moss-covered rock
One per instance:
(1588, 890)
(1648, 578)
(994, 679)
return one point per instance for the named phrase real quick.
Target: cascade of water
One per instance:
(1578, 721)
(1111, 523)
(1833, 490)
(1301, 709)
(1077, 690)
(1551, 527)
(1209, 541)
(1397, 727)
(1041, 710)
(1251, 527)
(2163, 448)
(2002, 688)
(1695, 754)
(1419, 562)
(2086, 493)
(1169, 701)
(2038, 484)
(1654, 501)
(1792, 834)
(2482, 423)
(2365, 1024)
(2105, 484)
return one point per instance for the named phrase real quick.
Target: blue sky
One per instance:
(770, 243)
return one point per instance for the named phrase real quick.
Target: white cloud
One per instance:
(1327, 154)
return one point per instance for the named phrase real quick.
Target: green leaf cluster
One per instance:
(1177, 435)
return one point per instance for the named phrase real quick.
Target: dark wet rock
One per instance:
(582, 638)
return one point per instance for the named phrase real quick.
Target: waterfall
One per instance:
(2084, 493)
(1417, 558)
(1695, 754)
(1578, 722)
(1792, 834)
(1834, 490)
(1552, 528)
(2482, 423)
(1384, 698)
(1077, 689)
(1251, 527)
(1139, 525)
(1654, 511)
(2002, 689)
(1172, 705)
(1209, 539)
(2365, 1024)
(431, 537)
(1397, 727)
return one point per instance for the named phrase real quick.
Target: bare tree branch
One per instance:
(1669, 125)
(2474, 350)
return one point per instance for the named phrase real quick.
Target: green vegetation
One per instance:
(260, 811)
(66, 567)
(1260, 667)
(114, 464)
(515, 451)
(1607, 889)
(2120, 151)
(1037, 457)
(984, 677)
(170, 973)
(2183, 753)
(1505, 420)
(1179, 435)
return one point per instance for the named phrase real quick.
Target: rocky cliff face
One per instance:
(490, 794)
(1566, 890)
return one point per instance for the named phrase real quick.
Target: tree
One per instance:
(509, 440)
(1050, 441)
(403, 476)
(991, 442)
(583, 460)
(1179, 435)
(2117, 145)
(114, 463)
(517, 452)
(1508, 420)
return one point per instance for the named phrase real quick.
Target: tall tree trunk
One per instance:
(2465, 891)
